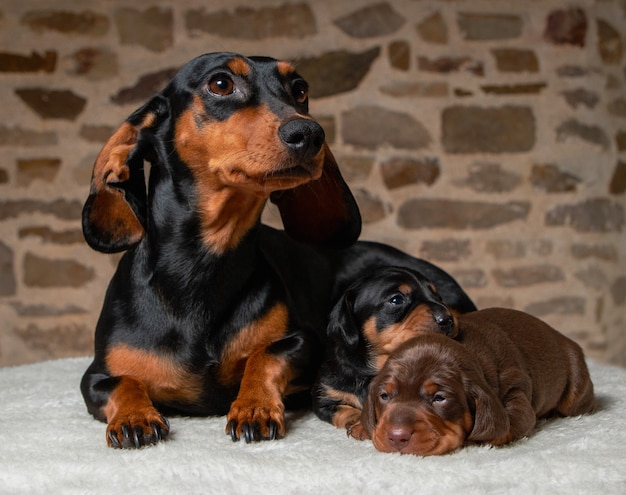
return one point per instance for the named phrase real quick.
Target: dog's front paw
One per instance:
(137, 429)
(255, 422)
(357, 431)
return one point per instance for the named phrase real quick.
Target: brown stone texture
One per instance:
(528, 275)
(47, 273)
(487, 137)
(374, 20)
(400, 55)
(610, 44)
(7, 276)
(151, 28)
(618, 180)
(95, 64)
(490, 178)
(592, 215)
(35, 62)
(441, 213)
(472, 129)
(552, 179)
(80, 22)
(43, 169)
(481, 27)
(515, 60)
(53, 104)
(566, 27)
(400, 172)
(433, 29)
(372, 127)
(287, 21)
(446, 249)
(146, 86)
(336, 72)
(589, 133)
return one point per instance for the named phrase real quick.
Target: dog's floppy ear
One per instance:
(114, 215)
(490, 419)
(322, 212)
(342, 327)
(368, 413)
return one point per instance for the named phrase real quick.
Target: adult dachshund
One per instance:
(505, 370)
(210, 312)
(373, 317)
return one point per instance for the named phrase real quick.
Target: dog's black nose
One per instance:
(302, 136)
(445, 321)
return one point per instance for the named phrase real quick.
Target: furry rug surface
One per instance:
(49, 444)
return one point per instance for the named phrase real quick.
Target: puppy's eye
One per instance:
(300, 91)
(384, 397)
(221, 85)
(397, 300)
(438, 399)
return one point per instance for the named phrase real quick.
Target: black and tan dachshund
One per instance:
(210, 312)
(374, 316)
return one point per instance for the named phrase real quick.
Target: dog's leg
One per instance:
(258, 412)
(124, 404)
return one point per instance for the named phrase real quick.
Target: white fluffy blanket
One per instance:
(49, 444)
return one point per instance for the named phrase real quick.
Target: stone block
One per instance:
(603, 252)
(35, 62)
(618, 180)
(459, 215)
(580, 97)
(400, 172)
(336, 72)
(7, 272)
(610, 45)
(399, 55)
(84, 23)
(433, 29)
(473, 129)
(47, 273)
(371, 206)
(53, 104)
(557, 306)
(372, 127)
(147, 85)
(47, 235)
(483, 27)
(17, 136)
(95, 64)
(471, 278)
(378, 19)
(490, 178)
(152, 28)
(446, 249)
(431, 89)
(43, 169)
(525, 276)
(550, 178)
(515, 60)
(588, 133)
(592, 215)
(290, 20)
(447, 65)
(566, 27)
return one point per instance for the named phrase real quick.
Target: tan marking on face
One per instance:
(164, 379)
(259, 334)
(285, 68)
(239, 66)
(237, 163)
(383, 343)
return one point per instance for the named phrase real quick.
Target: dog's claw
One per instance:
(232, 430)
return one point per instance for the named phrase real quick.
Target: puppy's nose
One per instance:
(399, 436)
(304, 137)
(444, 321)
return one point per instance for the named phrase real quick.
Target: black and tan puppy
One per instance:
(374, 316)
(210, 312)
(505, 370)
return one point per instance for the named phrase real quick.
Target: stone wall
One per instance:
(488, 137)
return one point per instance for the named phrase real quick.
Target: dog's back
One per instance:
(556, 364)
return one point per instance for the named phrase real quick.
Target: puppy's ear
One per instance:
(368, 413)
(342, 327)
(322, 212)
(490, 419)
(114, 214)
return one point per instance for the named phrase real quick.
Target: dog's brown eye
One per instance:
(222, 85)
(300, 91)
(384, 396)
(438, 398)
